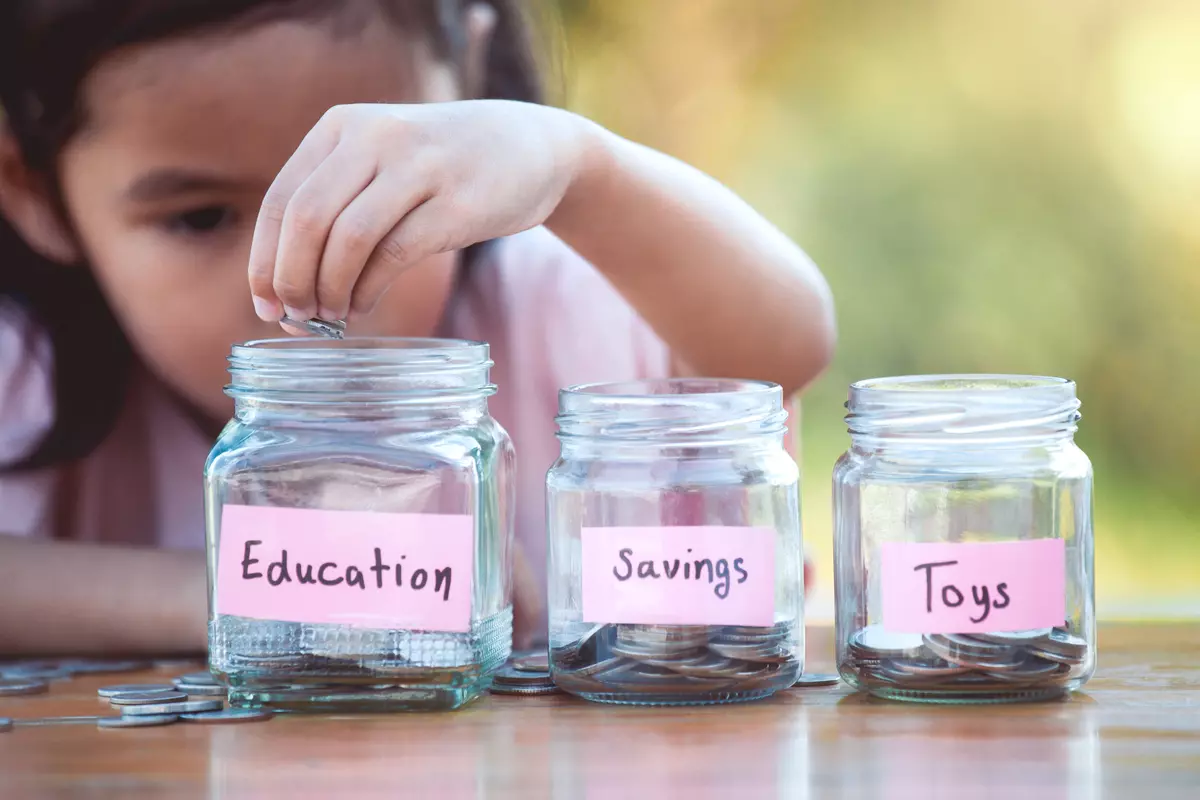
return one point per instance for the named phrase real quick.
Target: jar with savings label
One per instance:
(360, 521)
(675, 565)
(963, 549)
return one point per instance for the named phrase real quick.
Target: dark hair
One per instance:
(47, 48)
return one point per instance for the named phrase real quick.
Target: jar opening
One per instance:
(691, 410)
(359, 370)
(957, 408)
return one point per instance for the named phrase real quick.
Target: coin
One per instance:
(319, 327)
(201, 678)
(816, 679)
(184, 707)
(1060, 646)
(874, 641)
(32, 673)
(229, 716)
(146, 698)
(90, 666)
(22, 687)
(6, 724)
(133, 688)
(44, 721)
(143, 721)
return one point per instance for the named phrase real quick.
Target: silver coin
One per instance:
(816, 679)
(205, 689)
(144, 721)
(44, 721)
(654, 653)
(1013, 637)
(1070, 648)
(1033, 671)
(91, 666)
(146, 698)
(31, 673)
(22, 687)
(969, 645)
(874, 642)
(185, 707)
(203, 678)
(229, 716)
(335, 329)
(133, 688)
(769, 654)
(598, 668)
(526, 691)
(534, 662)
(6, 724)
(927, 668)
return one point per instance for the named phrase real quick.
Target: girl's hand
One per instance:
(374, 189)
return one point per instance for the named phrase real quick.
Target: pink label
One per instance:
(686, 575)
(357, 568)
(973, 587)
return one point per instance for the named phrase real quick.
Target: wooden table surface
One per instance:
(1134, 732)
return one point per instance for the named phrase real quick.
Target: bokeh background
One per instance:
(989, 187)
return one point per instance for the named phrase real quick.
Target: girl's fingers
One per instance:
(355, 235)
(307, 222)
(264, 248)
(427, 230)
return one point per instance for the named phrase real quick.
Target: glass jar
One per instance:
(963, 550)
(675, 565)
(360, 523)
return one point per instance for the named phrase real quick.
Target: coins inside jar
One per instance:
(965, 663)
(663, 661)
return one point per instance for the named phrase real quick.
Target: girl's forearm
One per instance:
(71, 598)
(728, 292)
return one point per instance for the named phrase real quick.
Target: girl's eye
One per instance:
(201, 220)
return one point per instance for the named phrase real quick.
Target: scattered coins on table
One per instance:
(654, 659)
(975, 663)
(196, 697)
(327, 329)
(17, 687)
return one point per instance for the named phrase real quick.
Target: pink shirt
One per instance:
(551, 320)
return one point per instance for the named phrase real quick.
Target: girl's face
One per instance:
(181, 140)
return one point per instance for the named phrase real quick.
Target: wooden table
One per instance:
(1134, 733)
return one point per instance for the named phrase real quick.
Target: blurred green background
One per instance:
(989, 187)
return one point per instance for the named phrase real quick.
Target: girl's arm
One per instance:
(66, 598)
(375, 189)
(726, 290)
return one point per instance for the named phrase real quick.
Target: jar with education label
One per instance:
(963, 548)
(675, 565)
(360, 521)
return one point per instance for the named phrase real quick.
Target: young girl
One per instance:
(153, 148)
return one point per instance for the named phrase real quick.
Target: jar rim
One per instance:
(964, 383)
(678, 388)
(375, 349)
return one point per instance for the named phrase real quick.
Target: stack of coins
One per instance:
(677, 660)
(965, 664)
